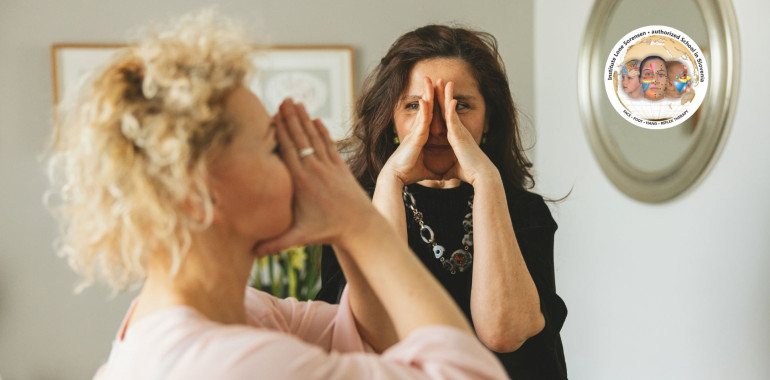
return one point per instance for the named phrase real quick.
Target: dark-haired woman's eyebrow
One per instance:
(457, 96)
(410, 97)
(464, 97)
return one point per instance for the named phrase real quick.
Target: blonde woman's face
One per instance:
(250, 184)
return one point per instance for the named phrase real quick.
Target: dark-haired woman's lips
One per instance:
(435, 148)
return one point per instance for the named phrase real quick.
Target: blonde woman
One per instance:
(168, 176)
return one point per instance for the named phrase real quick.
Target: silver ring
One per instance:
(306, 152)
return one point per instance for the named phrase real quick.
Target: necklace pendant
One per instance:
(425, 229)
(408, 197)
(468, 239)
(438, 251)
(468, 225)
(461, 259)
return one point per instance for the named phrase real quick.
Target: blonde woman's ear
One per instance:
(200, 207)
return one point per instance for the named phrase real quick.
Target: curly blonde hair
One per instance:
(131, 147)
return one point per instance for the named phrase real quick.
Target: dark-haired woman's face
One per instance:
(437, 154)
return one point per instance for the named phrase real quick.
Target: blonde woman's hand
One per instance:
(472, 163)
(406, 163)
(328, 202)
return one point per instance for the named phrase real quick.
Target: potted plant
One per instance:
(295, 272)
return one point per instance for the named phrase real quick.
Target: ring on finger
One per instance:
(306, 152)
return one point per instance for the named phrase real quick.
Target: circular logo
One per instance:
(656, 77)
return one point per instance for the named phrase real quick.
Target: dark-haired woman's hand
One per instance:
(406, 163)
(328, 203)
(472, 163)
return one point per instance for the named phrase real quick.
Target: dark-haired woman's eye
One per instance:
(413, 106)
(462, 106)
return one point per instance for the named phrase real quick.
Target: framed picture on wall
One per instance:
(71, 64)
(321, 77)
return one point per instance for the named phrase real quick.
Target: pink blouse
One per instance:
(287, 339)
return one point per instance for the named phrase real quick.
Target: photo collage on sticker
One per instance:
(657, 77)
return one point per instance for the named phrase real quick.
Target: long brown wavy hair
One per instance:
(371, 143)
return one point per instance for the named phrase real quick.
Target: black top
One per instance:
(540, 357)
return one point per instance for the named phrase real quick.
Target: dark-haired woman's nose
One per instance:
(437, 124)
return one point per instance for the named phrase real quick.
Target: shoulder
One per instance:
(180, 343)
(529, 210)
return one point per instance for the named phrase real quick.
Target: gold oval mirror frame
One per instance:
(707, 130)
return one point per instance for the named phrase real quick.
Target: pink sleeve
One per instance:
(433, 352)
(330, 347)
(180, 344)
(443, 352)
(331, 327)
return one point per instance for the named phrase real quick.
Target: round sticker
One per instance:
(656, 77)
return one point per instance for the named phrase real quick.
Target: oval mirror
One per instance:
(659, 165)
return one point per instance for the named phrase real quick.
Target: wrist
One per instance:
(367, 229)
(389, 178)
(488, 177)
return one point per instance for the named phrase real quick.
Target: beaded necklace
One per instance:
(461, 259)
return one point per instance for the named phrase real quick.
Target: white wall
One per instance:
(45, 331)
(672, 291)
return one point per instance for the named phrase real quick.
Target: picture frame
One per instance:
(321, 77)
(71, 64)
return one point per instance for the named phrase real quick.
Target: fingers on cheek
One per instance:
(284, 142)
(457, 117)
(303, 183)
(321, 129)
(427, 89)
(325, 137)
(449, 115)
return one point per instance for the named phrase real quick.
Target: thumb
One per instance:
(418, 135)
(291, 238)
(454, 126)
(424, 119)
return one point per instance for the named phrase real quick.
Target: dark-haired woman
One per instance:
(437, 144)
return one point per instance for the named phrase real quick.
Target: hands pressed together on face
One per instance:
(438, 146)
(326, 195)
(330, 207)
